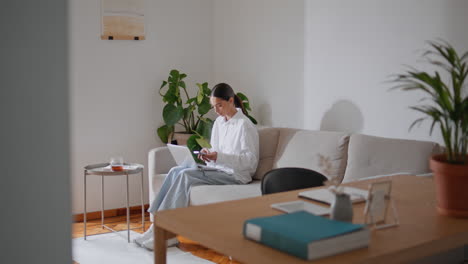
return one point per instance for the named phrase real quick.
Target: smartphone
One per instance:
(196, 152)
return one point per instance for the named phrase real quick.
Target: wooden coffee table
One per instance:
(422, 232)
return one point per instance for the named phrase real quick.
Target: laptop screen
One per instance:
(182, 155)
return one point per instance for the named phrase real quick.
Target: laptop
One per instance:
(183, 157)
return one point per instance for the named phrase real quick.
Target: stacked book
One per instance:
(305, 235)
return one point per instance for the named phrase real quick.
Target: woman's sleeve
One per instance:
(248, 157)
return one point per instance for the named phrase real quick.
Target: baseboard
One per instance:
(109, 213)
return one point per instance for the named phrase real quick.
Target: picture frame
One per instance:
(123, 19)
(379, 204)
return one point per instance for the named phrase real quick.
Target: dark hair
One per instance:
(225, 92)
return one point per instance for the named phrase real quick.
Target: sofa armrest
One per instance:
(160, 161)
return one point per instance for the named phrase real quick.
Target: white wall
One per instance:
(259, 50)
(115, 103)
(35, 189)
(352, 47)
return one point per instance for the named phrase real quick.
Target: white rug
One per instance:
(112, 248)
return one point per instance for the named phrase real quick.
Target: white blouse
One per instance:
(236, 141)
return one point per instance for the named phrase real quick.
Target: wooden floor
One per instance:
(120, 223)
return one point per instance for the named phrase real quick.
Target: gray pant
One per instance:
(175, 189)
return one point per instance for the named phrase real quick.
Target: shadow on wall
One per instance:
(343, 116)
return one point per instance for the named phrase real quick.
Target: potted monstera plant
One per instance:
(446, 108)
(182, 109)
(188, 112)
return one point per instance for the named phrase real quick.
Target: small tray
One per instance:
(105, 169)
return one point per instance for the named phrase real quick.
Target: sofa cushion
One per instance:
(268, 138)
(322, 151)
(206, 194)
(370, 155)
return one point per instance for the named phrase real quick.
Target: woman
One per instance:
(234, 153)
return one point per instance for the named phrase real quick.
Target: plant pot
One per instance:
(181, 137)
(451, 181)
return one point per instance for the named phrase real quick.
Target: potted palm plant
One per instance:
(447, 108)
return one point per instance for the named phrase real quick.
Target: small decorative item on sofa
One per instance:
(446, 90)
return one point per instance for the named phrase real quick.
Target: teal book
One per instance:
(305, 235)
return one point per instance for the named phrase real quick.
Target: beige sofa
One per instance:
(349, 157)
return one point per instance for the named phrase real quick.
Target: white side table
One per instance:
(104, 170)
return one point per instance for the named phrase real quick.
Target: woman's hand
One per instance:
(207, 155)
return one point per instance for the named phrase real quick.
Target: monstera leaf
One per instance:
(172, 114)
(193, 145)
(164, 132)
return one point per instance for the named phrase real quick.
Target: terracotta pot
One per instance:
(180, 137)
(451, 183)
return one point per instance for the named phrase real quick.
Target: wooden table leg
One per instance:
(160, 244)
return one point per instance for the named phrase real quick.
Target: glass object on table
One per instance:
(342, 208)
(117, 163)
